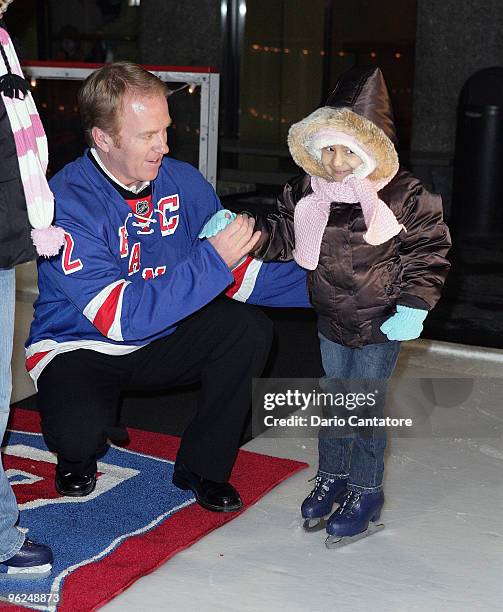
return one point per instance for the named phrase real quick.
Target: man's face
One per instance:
(339, 161)
(136, 153)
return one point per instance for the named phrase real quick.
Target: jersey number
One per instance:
(70, 266)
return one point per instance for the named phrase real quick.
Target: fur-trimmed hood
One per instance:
(358, 106)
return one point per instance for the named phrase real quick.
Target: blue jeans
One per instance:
(360, 459)
(11, 539)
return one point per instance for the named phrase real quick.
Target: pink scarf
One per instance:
(312, 213)
(31, 148)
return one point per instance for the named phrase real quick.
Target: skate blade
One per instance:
(339, 542)
(28, 573)
(311, 527)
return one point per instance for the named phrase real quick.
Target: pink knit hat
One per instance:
(329, 137)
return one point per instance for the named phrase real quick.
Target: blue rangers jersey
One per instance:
(126, 277)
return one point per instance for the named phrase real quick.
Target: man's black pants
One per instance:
(224, 345)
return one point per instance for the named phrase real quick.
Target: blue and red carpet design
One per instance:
(133, 522)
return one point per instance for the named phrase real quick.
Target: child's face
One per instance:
(339, 161)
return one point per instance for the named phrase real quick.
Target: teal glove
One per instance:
(217, 223)
(406, 324)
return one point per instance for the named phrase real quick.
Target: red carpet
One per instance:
(104, 543)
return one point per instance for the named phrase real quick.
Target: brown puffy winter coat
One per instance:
(356, 286)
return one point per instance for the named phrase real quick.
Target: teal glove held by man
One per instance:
(217, 223)
(405, 324)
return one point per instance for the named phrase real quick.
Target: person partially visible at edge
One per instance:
(135, 299)
(374, 243)
(26, 210)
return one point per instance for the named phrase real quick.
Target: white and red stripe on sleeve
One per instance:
(105, 309)
(245, 277)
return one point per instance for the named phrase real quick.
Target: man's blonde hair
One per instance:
(102, 94)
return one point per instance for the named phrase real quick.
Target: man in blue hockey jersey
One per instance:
(134, 300)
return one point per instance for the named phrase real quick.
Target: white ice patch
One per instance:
(490, 451)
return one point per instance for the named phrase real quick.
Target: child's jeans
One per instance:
(360, 459)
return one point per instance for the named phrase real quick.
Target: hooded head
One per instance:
(364, 91)
(358, 115)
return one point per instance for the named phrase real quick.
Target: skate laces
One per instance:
(348, 505)
(321, 486)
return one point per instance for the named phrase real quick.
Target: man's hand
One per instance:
(236, 240)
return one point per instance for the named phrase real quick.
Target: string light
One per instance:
(266, 117)
(33, 82)
(285, 50)
(304, 51)
(190, 87)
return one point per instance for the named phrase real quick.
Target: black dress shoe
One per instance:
(214, 496)
(74, 485)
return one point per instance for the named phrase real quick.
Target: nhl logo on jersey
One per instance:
(142, 207)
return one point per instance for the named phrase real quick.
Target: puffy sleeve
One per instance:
(278, 239)
(423, 247)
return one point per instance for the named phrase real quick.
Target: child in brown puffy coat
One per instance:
(375, 245)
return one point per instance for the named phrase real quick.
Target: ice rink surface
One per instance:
(441, 549)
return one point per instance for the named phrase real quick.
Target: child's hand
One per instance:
(217, 223)
(406, 324)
